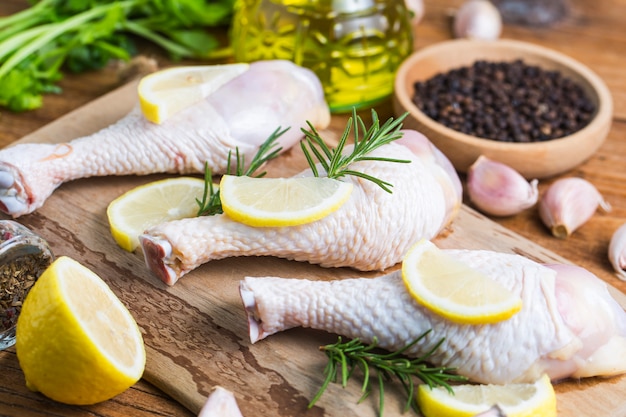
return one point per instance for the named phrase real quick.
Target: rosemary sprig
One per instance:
(336, 164)
(210, 203)
(348, 356)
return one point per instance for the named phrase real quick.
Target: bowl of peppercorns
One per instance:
(527, 106)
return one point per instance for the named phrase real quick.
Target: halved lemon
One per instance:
(267, 202)
(145, 206)
(454, 290)
(536, 399)
(166, 92)
(76, 342)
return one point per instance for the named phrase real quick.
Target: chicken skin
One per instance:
(371, 231)
(241, 114)
(569, 325)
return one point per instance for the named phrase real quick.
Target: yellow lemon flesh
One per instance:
(148, 205)
(536, 399)
(166, 92)
(453, 289)
(268, 202)
(76, 342)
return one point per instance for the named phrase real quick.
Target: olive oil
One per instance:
(354, 47)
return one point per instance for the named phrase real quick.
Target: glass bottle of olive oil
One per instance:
(354, 46)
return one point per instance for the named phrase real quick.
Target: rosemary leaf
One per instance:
(211, 203)
(268, 150)
(336, 163)
(348, 356)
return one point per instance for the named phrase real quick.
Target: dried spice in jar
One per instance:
(506, 101)
(23, 257)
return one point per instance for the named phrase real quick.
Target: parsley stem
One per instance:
(54, 30)
(30, 15)
(170, 46)
(10, 45)
(40, 42)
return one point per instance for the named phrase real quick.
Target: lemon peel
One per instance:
(271, 202)
(536, 399)
(167, 92)
(133, 212)
(453, 289)
(76, 342)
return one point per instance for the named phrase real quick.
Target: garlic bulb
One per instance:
(568, 204)
(478, 19)
(617, 252)
(497, 189)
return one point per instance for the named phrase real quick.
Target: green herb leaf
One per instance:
(336, 164)
(211, 203)
(200, 42)
(345, 357)
(38, 43)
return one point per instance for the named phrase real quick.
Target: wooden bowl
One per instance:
(533, 160)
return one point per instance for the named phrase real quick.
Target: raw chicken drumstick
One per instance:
(569, 325)
(371, 231)
(242, 113)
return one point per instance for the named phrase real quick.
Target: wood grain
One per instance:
(196, 331)
(594, 35)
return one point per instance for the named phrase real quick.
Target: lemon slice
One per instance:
(136, 210)
(453, 289)
(75, 340)
(266, 202)
(536, 399)
(166, 92)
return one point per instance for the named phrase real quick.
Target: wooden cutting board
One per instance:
(196, 331)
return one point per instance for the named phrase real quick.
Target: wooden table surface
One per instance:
(593, 34)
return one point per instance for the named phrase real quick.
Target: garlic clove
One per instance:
(617, 252)
(497, 189)
(220, 402)
(568, 204)
(478, 19)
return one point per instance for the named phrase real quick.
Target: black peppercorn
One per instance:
(505, 101)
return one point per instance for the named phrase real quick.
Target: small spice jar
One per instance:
(24, 255)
